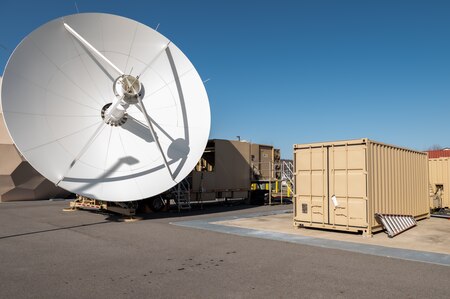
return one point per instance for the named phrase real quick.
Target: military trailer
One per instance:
(228, 168)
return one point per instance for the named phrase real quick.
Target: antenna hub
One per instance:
(116, 117)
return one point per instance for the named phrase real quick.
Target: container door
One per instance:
(348, 185)
(311, 185)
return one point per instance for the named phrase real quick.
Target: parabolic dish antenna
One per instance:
(105, 107)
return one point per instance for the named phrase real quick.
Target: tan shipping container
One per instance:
(439, 172)
(341, 185)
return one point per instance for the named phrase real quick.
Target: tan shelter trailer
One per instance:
(439, 175)
(341, 185)
(227, 168)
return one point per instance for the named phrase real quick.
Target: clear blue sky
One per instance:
(285, 72)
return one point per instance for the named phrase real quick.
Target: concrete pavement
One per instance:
(48, 253)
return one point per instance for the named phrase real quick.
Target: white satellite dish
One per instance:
(105, 107)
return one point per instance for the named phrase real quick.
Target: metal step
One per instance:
(182, 196)
(182, 202)
(395, 224)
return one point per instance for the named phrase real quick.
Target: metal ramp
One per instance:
(395, 224)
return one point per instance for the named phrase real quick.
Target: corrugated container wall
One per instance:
(341, 185)
(440, 178)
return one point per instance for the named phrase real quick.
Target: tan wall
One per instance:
(231, 170)
(439, 174)
(262, 159)
(266, 161)
(366, 177)
(4, 135)
(233, 166)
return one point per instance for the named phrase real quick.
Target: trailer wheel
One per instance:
(156, 204)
